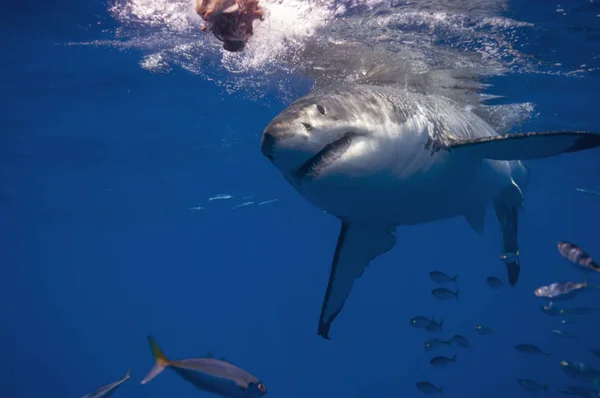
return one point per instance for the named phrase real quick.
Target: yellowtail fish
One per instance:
(109, 389)
(577, 256)
(208, 374)
(560, 291)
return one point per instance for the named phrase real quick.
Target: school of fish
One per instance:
(556, 291)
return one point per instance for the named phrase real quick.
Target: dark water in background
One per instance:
(101, 161)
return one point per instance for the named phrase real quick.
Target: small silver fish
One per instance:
(434, 343)
(444, 294)
(531, 349)
(577, 256)
(440, 277)
(483, 330)
(268, 202)
(494, 282)
(221, 196)
(109, 389)
(243, 205)
(588, 191)
(427, 388)
(561, 333)
(441, 361)
(460, 341)
(560, 291)
(532, 386)
(566, 321)
(579, 371)
(208, 374)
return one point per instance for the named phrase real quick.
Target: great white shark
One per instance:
(378, 158)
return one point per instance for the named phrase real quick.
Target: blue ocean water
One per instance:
(108, 234)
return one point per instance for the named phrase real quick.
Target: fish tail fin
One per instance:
(454, 358)
(441, 324)
(456, 294)
(442, 391)
(128, 374)
(160, 361)
(455, 277)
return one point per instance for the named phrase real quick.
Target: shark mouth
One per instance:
(325, 157)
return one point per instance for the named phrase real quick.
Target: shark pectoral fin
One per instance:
(528, 146)
(507, 207)
(356, 247)
(476, 218)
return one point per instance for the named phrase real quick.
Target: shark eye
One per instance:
(307, 126)
(261, 387)
(321, 109)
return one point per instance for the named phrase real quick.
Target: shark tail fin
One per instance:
(160, 361)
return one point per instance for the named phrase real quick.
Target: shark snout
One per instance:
(273, 135)
(267, 145)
